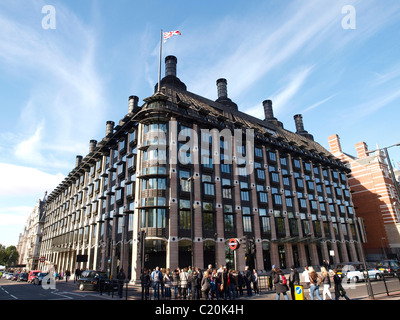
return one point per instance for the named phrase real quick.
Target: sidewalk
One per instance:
(135, 293)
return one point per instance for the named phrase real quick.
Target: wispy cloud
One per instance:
(68, 92)
(317, 104)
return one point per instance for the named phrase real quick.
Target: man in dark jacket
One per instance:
(247, 280)
(121, 279)
(294, 279)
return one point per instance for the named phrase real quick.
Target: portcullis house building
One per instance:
(181, 175)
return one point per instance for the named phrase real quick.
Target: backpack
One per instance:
(282, 279)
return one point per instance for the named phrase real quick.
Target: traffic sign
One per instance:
(298, 293)
(42, 259)
(233, 244)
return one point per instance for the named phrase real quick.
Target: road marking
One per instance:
(9, 293)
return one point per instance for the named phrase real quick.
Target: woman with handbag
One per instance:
(339, 290)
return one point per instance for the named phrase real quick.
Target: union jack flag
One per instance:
(169, 34)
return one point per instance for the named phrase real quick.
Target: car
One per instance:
(358, 273)
(389, 267)
(9, 275)
(15, 276)
(90, 280)
(32, 275)
(39, 277)
(5, 274)
(23, 276)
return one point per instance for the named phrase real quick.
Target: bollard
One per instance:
(298, 292)
(384, 281)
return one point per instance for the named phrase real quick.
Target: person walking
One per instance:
(247, 279)
(167, 283)
(233, 282)
(205, 285)
(156, 278)
(145, 282)
(195, 283)
(326, 280)
(315, 280)
(339, 290)
(67, 275)
(121, 279)
(294, 279)
(279, 280)
(184, 277)
(254, 279)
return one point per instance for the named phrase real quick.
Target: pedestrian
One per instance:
(315, 281)
(205, 285)
(121, 279)
(156, 278)
(232, 278)
(77, 274)
(67, 275)
(214, 284)
(247, 279)
(280, 283)
(194, 284)
(339, 290)
(326, 280)
(175, 283)
(167, 283)
(240, 284)
(294, 279)
(306, 278)
(145, 281)
(254, 279)
(184, 277)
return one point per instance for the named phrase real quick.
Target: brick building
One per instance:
(375, 198)
(156, 192)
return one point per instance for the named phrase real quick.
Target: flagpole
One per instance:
(159, 64)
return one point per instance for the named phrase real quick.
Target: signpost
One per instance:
(234, 245)
(42, 259)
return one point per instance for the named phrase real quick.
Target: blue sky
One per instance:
(58, 87)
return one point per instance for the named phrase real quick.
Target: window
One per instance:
(154, 183)
(260, 174)
(258, 152)
(153, 218)
(226, 190)
(280, 226)
(208, 185)
(263, 197)
(208, 216)
(244, 196)
(185, 184)
(228, 218)
(265, 222)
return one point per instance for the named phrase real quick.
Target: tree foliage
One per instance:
(8, 256)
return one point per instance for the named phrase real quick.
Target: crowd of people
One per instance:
(223, 283)
(194, 283)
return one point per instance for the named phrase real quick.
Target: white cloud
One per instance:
(25, 181)
(15, 216)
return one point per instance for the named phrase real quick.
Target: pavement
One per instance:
(134, 293)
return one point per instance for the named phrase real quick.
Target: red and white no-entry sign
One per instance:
(233, 244)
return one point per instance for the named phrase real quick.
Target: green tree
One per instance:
(8, 256)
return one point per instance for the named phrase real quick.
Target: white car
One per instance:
(9, 276)
(358, 275)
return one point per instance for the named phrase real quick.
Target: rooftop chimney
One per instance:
(223, 94)
(361, 149)
(269, 114)
(268, 111)
(170, 66)
(133, 103)
(109, 127)
(334, 144)
(222, 88)
(78, 161)
(92, 145)
(170, 75)
(298, 119)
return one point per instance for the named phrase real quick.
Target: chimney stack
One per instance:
(78, 161)
(298, 119)
(92, 145)
(170, 66)
(109, 127)
(334, 144)
(268, 111)
(361, 149)
(133, 103)
(222, 88)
